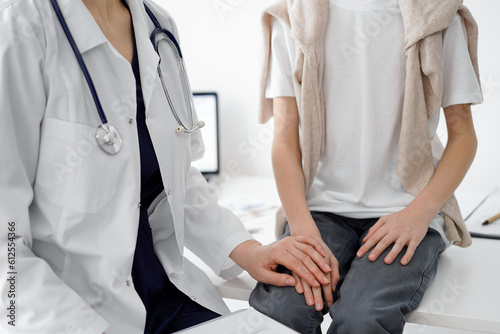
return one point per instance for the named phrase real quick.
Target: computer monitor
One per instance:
(206, 106)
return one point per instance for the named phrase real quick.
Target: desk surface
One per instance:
(465, 293)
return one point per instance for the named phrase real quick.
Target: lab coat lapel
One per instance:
(82, 25)
(172, 145)
(148, 58)
(88, 35)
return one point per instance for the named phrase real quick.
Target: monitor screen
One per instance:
(206, 106)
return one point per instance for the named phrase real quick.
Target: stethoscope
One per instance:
(107, 136)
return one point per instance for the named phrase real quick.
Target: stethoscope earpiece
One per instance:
(181, 129)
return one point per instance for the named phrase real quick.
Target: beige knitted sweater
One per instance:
(423, 21)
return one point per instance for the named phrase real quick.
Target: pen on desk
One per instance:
(492, 219)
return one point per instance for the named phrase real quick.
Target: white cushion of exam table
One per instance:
(464, 295)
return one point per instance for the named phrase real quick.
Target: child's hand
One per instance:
(404, 228)
(316, 295)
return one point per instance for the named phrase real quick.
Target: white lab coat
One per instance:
(76, 208)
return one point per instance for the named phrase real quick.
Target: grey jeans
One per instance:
(371, 297)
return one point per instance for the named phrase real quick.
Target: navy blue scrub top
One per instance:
(147, 272)
(167, 308)
(163, 301)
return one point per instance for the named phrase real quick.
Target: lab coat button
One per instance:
(128, 283)
(139, 205)
(131, 121)
(169, 192)
(193, 297)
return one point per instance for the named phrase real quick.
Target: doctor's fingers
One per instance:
(311, 242)
(302, 265)
(332, 270)
(269, 276)
(310, 249)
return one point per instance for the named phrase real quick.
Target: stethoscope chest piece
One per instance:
(108, 138)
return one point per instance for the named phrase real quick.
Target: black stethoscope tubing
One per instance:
(78, 56)
(159, 30)
(107, 136)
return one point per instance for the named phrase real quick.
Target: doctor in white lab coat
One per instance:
(69, 212)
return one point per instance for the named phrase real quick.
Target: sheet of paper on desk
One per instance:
(469, 199)
(246, 321)
(486, 209)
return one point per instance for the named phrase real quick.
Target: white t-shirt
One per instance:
(363, 82)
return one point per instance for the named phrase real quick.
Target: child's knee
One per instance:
(363, 318)
(286, 306)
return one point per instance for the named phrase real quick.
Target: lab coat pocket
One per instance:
(73, 172)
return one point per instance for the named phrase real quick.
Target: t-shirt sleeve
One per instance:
(460, 83)
(280, 79)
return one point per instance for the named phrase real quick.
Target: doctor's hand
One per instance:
(302, 255)
(407, 227)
